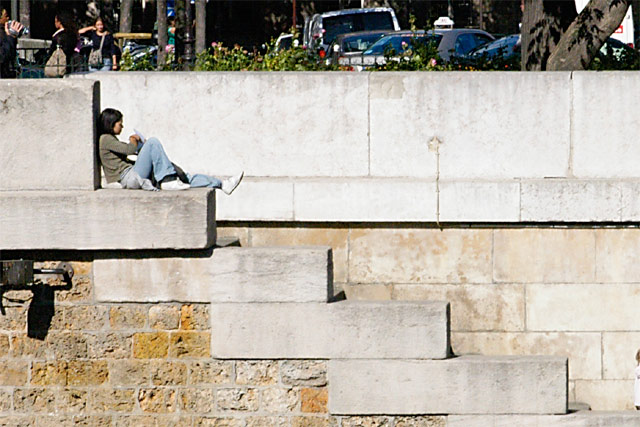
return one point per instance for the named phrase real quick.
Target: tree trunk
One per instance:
(586, 35)
(180, 29)
(635, 11)
(201, 25)
(25, 13)
(161, 16)
(543, 23)
(126, 10)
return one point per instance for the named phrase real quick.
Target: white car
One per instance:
(322, 28)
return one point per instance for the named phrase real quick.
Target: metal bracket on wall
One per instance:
(19, 275)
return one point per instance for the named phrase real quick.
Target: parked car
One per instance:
(284, 41)
(455, 42)
(350, 45)
(322, 28)
(502, 50)
(613, 54)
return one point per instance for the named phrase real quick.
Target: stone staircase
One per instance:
(389, 357)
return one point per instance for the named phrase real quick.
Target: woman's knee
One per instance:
(153, 141)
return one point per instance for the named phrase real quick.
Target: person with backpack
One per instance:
(65, 37)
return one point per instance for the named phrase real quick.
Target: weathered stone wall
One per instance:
(569, 291)
(360, 146)
(68, 360)
(48, 134)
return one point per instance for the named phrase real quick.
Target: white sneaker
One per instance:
(230, 184)
(174, 185)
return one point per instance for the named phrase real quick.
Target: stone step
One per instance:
(462, 385)
(576, 419)
(230, 274)
(345, 329)
(107, 219)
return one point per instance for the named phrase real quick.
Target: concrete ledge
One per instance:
(107, 219)
(464, 385)
(573, 200)
(48, 134)
(347, 330)
(289, 274)
(576, 419)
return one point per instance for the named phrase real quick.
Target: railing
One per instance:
(30, 63)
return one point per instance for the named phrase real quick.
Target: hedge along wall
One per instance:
(532, 175)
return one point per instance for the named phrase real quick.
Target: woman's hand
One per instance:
(134, 139)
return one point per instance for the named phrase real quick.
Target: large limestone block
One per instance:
(233, 274)
(420, 256)
(48, 134)
(606, 395)
(583, 307)
(544, 255)
(619, 355)
(482, 134)
(107, 219)
(617, 253)
(630, 210)
(605, 139)
(345, 329)
(479, 201)
(561, 200)
(575, 419)
(267, 124)
(474, 307)
(256, 200)
(582, 348)
(365, 200)
(463, 385)
(336, 238)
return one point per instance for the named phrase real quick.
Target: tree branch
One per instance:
(586, 35)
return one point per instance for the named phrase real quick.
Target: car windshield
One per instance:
(341, 24)
(285, 43)
(359, 43)
(503, 46)
(395, 42)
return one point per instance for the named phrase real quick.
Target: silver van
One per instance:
(322, 28)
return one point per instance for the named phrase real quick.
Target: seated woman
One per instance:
(152, 161)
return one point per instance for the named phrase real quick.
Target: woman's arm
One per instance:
(111, 143)
(7, 47)
(86, 29)
(111, 48)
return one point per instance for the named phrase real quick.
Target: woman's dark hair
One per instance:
(108, 119)
(68, 22)
(99, 18)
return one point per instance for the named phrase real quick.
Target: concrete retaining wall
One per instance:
(48, 134)
(510, 147)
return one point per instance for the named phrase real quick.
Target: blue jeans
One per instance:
(153, 159)
(107, 65)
